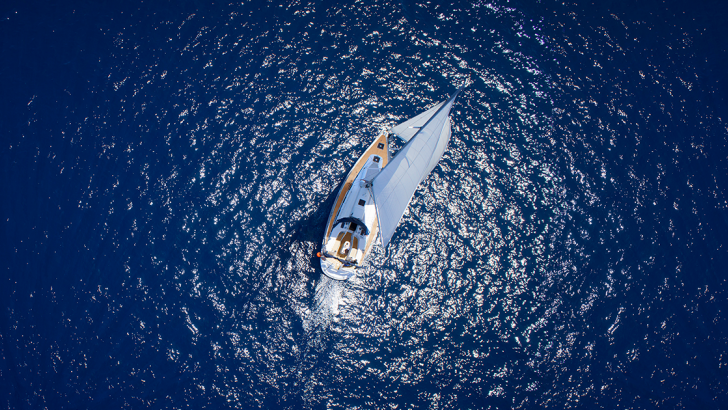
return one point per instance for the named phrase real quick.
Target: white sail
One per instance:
(395, 185)
(409, 128)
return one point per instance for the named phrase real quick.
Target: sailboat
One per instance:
(378, 189)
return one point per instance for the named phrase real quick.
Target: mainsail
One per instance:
(427, 136)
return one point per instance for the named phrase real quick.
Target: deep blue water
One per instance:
(167, 169)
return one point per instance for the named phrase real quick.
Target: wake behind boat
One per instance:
(378, 189)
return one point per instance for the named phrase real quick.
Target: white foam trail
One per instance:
(325, 305)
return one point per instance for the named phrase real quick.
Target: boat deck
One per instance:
(378, 147)
(373, 149)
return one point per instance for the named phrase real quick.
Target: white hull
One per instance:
(352, 225)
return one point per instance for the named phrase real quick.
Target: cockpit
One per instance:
(354, 225)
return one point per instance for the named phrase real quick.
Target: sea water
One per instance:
(168, 169)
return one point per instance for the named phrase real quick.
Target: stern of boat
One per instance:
(335, 269)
